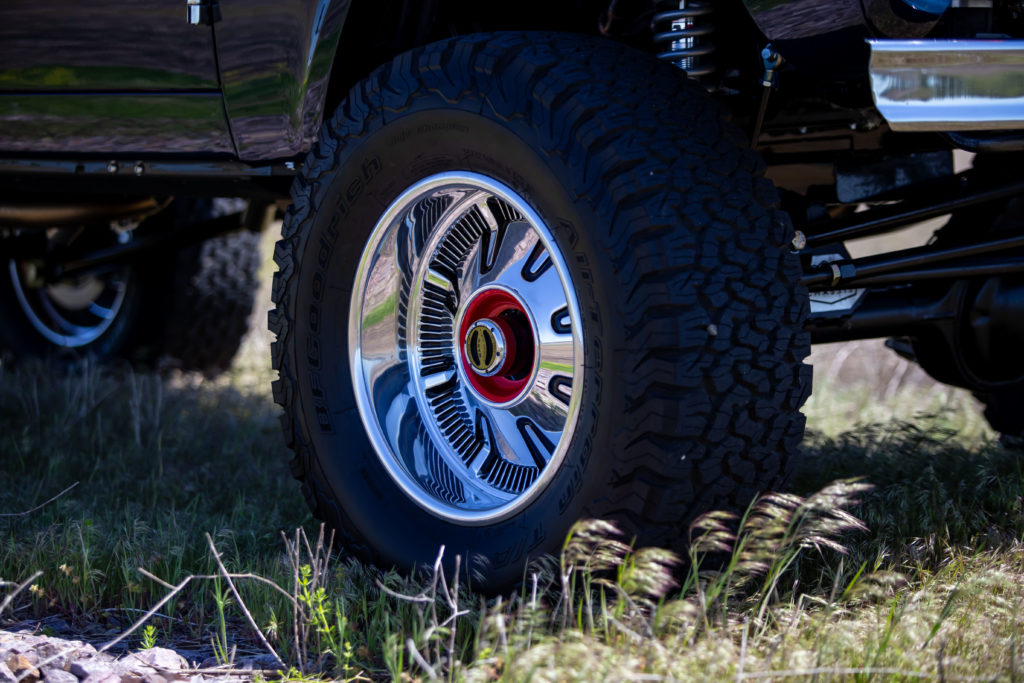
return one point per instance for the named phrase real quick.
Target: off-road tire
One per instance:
(187, 310)
(216, 283)
(692, 319)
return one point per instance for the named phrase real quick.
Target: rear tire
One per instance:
(188, 309)
(685, 323)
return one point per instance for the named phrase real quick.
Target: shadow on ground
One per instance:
(155, 463)
(932, 490)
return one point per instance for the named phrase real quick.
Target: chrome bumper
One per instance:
(949, 85)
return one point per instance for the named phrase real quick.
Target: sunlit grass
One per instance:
(895, 554)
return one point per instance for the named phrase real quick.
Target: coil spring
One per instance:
(683, 36)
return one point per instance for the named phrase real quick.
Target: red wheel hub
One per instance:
(496, 345)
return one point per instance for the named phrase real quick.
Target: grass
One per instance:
(918, 576)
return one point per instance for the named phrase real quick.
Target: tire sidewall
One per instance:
(369, 175)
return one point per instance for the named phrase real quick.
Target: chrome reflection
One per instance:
(459, 455)
(949, 85)
(71, 313)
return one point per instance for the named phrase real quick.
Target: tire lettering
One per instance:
(314, 318)
(318, 285)
(323, 419)
(313, 352)
(354, 187)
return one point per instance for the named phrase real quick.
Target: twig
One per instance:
(293, 557)
(21, 586)
(174, 590)
(854, 671)
(40, 506)
(143, 619)
(241, 603)
(140, 611)
(743, 651)
(453, 604)
(418, 658)
(408, 598)
(634, 636)
(208, 577)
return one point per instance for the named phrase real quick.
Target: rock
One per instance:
(55, 660)
(65, 652)
(159, 658)
(54, 675)
(25, 642)
(23, 665)
(108, 676)
(88, 668)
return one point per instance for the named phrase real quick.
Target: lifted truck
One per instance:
(534, 266)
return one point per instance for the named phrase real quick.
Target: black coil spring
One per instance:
(683, 36)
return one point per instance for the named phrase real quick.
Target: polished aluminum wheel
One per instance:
(74, 312)
(467, 350)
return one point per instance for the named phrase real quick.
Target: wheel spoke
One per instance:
(520, 438)
(438, 377)
(487, 448)
(525, 267)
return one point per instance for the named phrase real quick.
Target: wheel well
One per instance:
(376, 31)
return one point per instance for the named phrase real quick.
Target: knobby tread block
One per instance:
(210, 312)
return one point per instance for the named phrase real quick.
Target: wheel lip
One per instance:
(63, 340)
(364, 403)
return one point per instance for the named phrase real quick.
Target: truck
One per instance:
(539, 261)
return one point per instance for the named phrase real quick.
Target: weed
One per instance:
(920, 576)
(148, 639)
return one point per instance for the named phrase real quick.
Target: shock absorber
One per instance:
(682, 31)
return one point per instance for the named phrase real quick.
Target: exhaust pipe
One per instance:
(57, 215)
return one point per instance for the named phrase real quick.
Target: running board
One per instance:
(949, 85)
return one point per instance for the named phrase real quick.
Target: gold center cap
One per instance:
(485, 348)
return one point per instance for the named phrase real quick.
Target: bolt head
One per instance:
(799, 240)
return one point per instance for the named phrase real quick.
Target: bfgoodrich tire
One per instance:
(434, 394)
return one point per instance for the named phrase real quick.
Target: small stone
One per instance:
(59, 676)
(26, 642)
(161, 658)
(24, 664)
(67, 650)
(108, 676)
(87, 668)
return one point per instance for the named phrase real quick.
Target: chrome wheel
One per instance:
(467, 350)
(71, 313)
